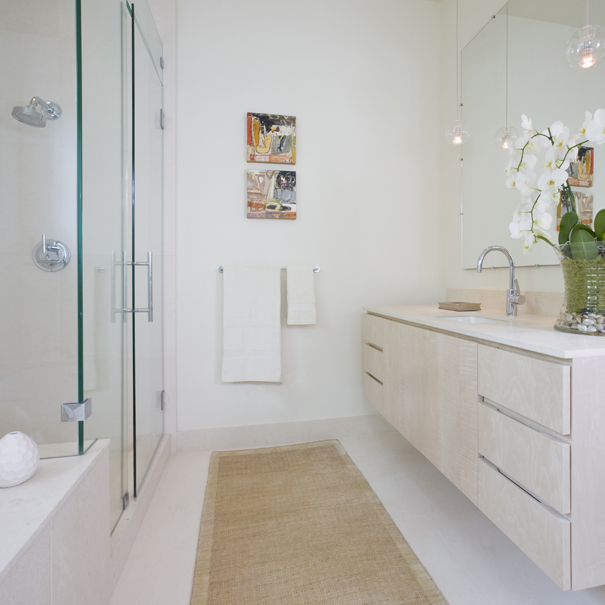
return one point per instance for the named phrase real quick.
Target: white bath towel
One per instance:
(301, 296)
(251, 324)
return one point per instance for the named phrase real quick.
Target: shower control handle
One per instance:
(51, 254)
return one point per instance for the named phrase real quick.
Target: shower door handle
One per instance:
(149, 265)
(149, 287)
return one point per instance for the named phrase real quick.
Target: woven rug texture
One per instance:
(300, 525)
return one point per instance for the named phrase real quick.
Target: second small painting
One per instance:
(271, 194)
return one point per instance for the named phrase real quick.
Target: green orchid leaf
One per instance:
(583, 244)
(568, 221)
(599, 224)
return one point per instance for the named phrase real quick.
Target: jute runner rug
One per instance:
(299, 525)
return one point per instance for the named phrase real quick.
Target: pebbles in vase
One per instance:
(585, 323)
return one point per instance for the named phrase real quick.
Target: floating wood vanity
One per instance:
(512, 413)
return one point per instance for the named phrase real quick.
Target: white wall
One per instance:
(363, 80)
(473, 15)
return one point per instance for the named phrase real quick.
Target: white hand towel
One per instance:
(251, 324)
(301, 296)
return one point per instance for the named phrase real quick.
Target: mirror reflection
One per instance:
(518, 65)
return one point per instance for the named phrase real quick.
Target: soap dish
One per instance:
(460, 306)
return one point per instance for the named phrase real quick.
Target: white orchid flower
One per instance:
(529, 239)
(536, 144)
(510, 169)
(528, 163)
(595, 131)
(550, 160)
(526, 124)
(515, 230)
(549, 197)
(520, 224)
(561, 138)
(587, 122)
(520, 142)
(552, 179)
(556, 128)
(518, 181)
(542, 220)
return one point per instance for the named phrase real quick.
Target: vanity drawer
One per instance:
(375, 330)
(541, 534)
(538, 462)
(372, 362)
(373, 391)
(535, 388)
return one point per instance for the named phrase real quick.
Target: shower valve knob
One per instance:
(51, 254)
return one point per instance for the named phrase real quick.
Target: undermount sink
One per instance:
(472, 319)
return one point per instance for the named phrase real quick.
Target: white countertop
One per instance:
(530, 332)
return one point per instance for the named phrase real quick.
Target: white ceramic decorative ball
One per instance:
(19, 458)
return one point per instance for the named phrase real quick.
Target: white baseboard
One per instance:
(128, 526)
(283, 433)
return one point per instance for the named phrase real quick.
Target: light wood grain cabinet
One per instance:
(522, 435)
(539, 462)
(430, 397)
(535, 388)
(541, 534)
(372, 362)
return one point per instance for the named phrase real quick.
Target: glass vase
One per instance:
(583, 310)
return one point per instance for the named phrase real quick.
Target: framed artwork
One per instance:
(271, 194)
(584, 206)
(581, 172)
(271, 138)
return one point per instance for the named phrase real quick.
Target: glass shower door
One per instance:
(147, 208)
(104, 235)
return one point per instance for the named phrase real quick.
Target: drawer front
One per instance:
(375, 330)
(539, 463)
(543, 536)
(372, 362)
(373, 392)
(535, 388)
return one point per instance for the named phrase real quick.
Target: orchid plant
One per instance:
(531, 219)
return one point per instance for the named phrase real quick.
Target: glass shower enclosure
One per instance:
(81, 210)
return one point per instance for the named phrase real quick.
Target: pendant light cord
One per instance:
(457, 60)
(587, 12)
(506, 92)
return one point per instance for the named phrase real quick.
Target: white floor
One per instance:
(472, 562)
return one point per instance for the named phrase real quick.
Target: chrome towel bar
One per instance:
(315, 269)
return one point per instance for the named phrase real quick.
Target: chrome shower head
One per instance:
(37, 112)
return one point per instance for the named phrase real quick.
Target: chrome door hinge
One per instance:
(162, 119)
(125, 500)
(162, 400)
(76, 412)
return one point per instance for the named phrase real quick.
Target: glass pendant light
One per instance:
(457, 131)
(505, 137)
(586, 47)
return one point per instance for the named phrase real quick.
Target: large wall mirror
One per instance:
(517, 65)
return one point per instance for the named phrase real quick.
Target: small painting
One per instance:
(272, 194)
(584, 206)
(581, 172)
(271, 138)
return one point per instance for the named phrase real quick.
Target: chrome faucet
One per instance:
(513, 294)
